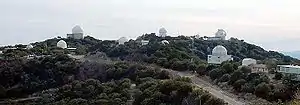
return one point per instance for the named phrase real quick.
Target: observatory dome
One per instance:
(219, 51)
(122, 40)
(77, 29)
(165, 42)
(29, 46)
(162, 30)
(220, 33)
(62, 44)
(248, 61)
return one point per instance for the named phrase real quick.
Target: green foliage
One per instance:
(262, 90)
(278, 76)
(224, 78)
(238, 84)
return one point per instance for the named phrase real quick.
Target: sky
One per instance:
(271, 24)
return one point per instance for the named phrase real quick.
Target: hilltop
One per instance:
(180, 47)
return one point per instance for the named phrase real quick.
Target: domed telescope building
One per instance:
(122, 40)
(219, 35)
(219, 55)
(62, 44)
(77, 33)
(162, 32)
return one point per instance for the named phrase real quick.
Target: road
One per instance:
(210, 88)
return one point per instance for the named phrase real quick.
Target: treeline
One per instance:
(60, 80)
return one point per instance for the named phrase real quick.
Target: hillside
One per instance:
(60, 74)
(181, 48)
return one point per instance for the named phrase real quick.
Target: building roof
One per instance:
(259, 65)
(122, 40)
(290, 66)
(162, 30)
(220, 33)
(219, 50)
(77, 29)
(165, 42)
(62, 44)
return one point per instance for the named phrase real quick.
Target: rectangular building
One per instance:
(290, 70)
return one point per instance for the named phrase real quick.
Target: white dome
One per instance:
(62, 44)
(162, 30)
(77, 29)
(220, 33)
(29, 46)
(165, 42)
(122, 40)
(219, 51)
(248, 61)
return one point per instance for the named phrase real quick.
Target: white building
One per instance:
(248, 61)
(259, 68)
(144, 42)
(219, 35)
(77, 33)
(162, 32)
(165, 42)
(62, 44)
(290, 70)
(122, 40)
(219, 55)
(29, 46)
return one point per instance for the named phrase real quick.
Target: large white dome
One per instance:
(122, 40)
(248, 61)
(77, 29)
(219, 51)
(62, 44)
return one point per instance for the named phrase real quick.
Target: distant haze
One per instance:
(272, 24)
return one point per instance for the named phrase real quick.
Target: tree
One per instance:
(246, 69)
(238, 84)
(262, 90)
(235, 76)
(214, 74)
(278, 76)
(224, 78)
(201, 70)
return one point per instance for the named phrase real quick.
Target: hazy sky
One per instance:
(272, 24)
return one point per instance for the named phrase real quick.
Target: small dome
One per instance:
(77, 30)
(165, 42)
(122, 40)
(62, 44)
(219, 51)
(29, 46)
(248, 61)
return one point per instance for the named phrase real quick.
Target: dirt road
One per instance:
(210, 88)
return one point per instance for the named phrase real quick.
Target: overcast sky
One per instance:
(272, 24)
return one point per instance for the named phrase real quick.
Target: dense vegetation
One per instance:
(242, 80)
(60, 80)
(73, 82)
